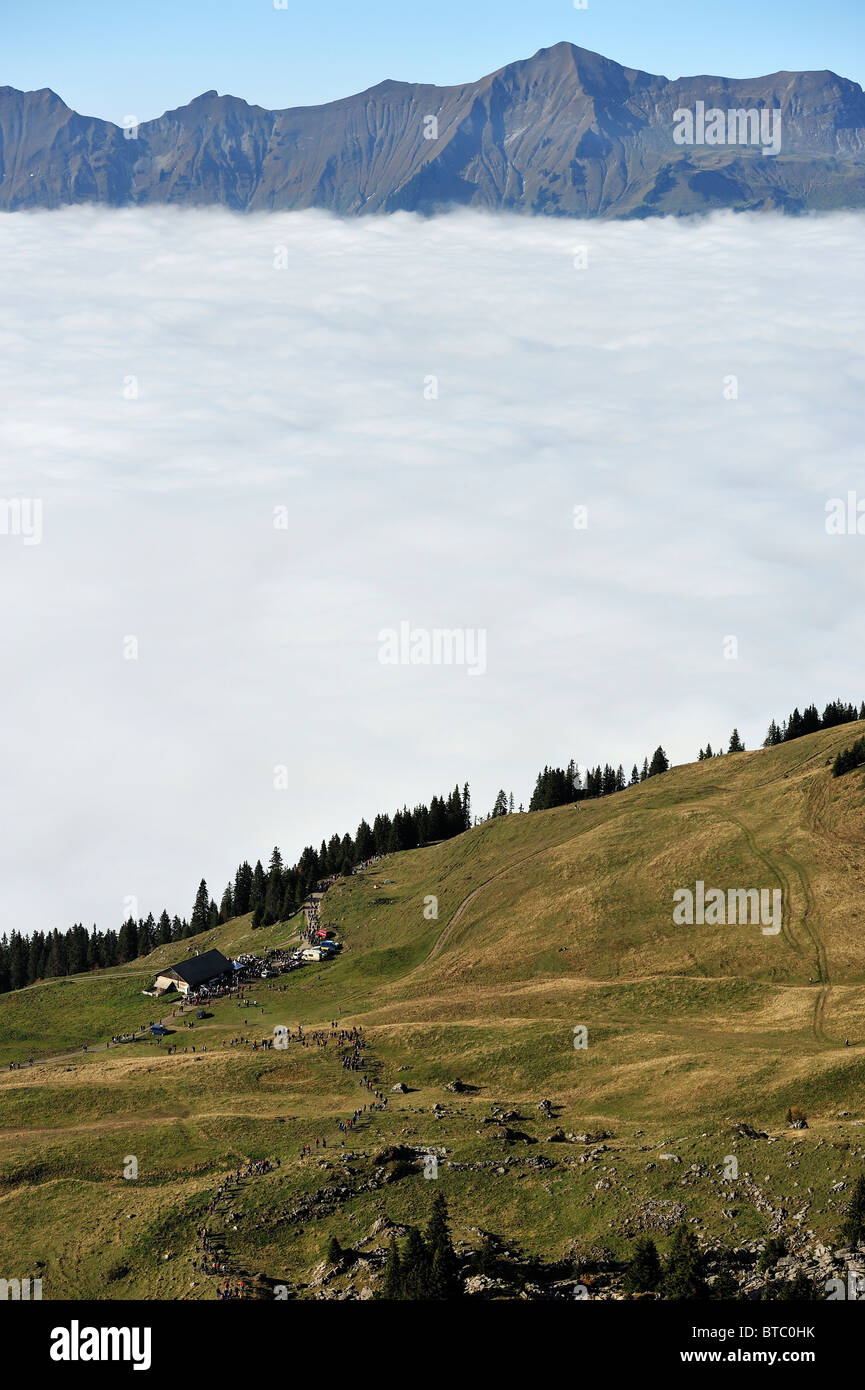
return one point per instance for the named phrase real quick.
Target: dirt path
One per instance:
(774, 869)
(98, 1049)
(443, 937)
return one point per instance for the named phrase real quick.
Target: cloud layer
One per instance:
(420, 406)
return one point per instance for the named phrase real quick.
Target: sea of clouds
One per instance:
(175, 382)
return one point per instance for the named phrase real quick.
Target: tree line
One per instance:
(426, 1267)
(849, 758)
(271, 895)
(556, 786)
(277, 892)
(810, 721)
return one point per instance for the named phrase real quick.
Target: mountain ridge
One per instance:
(564, 132)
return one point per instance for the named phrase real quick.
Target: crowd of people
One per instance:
(215, 1259)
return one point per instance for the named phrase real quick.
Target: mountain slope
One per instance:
(546, 923)
(565, 132)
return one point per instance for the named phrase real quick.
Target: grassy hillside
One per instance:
(477, 960)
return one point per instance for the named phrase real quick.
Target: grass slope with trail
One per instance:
(477, 961)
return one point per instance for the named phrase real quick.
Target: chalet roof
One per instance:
(199, 969)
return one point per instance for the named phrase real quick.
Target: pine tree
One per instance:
(799, 1289)
(725, 1285)
(853, 1229)
(644, 1270)
(364, 842)
(484, 1260)
(259, 887)
(243, 890)
(660, 762)
(736, 744)
(226, 907)
(147, 936)
(444, 1280)
(127, 945)
(200, 920)
(774, 1250)
(392, 1287)
(416, 1270)
(273, 893)
(683, 1271)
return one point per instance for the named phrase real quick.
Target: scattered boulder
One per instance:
(500, 1132)
(748, 1132)
(401, 1088)
(395, 1153)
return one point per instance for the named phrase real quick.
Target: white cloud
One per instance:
(304, 388)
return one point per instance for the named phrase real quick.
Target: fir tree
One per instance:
(200, 920)
(392, 1286)
(683, 1278)
(660, 762)
(725, 1285)
(644, 1269)
(444, 1280)
(259, 887)
(416, 1269)
(853, 1229)
(774, 1250)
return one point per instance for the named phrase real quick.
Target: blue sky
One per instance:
(115, 60)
